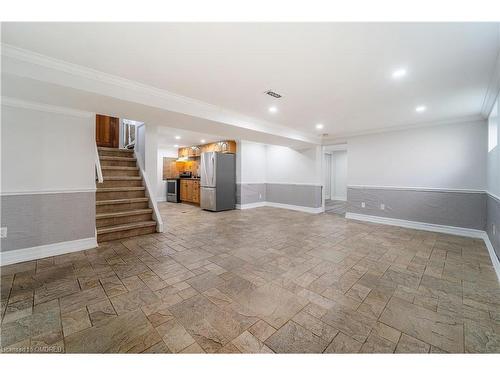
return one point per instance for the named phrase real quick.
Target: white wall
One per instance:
(289, 166)
(251, 163)
(339, 175)
(449, 156)
(46, 151)
(494, 154)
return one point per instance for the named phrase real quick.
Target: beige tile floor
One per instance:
(258, 281)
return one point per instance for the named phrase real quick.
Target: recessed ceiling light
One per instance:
(400, 73)
(177, 137)
(176, 145)
(421, 108)
(273, 109)
(202, 141)
(319, 126)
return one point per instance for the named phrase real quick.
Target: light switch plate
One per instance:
(363, 205)
(3, 232)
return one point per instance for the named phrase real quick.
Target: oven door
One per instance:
(172, 191)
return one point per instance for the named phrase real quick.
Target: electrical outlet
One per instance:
(260, 195)
(494, 229)
(363, 205)
(382, 206)
(3, 232)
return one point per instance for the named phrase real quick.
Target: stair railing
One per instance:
(98, 170)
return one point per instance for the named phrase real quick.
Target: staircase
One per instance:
(121, 204)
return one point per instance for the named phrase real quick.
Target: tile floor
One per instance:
(258, 281)
(335, 207)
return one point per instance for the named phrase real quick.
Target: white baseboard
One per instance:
(44, 251)
(310, 210)
(465, 232)
(161, 199)
(250, 205)
(493, 256)
(343, 199)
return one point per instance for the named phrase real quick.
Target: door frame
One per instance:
(325, 149)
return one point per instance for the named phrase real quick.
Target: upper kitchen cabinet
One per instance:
(196, 151)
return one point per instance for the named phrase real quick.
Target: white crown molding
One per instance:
(412, 188)
(44, 251)
(457, 231)
(84, 78)
(18, 103)
(44, 192)
(342, 137)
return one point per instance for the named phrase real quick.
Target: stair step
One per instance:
(114, 149)
(124, 178)
(128, 226)
(121, 188)
(108, 215)
(118, 168)
(120, 201)
(117, 158)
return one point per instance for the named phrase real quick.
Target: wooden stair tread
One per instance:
(117, 167)
(120, 188)
(114, 149)
(128, 226)
(120, 201)
(107, 215)
(120, 178)
(117, 158)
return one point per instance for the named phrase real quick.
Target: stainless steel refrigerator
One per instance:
(218, 181)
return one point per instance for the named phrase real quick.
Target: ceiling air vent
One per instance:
(273, 94)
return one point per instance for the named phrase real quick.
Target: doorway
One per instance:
(107, 131)
(335, 174)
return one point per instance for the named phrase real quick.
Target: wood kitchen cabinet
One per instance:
(190, 191)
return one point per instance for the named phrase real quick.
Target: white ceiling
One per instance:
(338, 74)
(167, 138)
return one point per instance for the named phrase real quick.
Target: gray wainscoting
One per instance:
(493, 217)
(297, 195)
(42, 219)
(443, 207)
(250, 193)
(292, 194)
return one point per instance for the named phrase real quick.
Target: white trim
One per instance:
(493, 256)
(343, 199)
(43, 251)
(310, 210)
(412, 188)
(60, 191)
(494, 196)
(149, 193)
(458, 231)
(161, 199)
(18, 103)
(250, 205)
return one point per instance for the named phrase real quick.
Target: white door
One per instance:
(328, 176)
